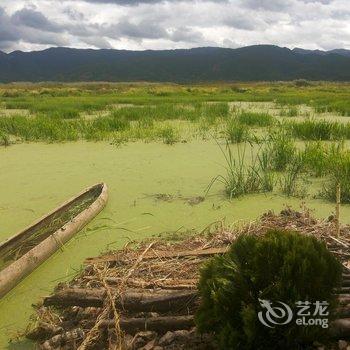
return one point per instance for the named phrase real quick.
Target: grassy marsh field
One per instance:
(176, 159)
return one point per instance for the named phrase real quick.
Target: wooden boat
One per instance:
(25, 251)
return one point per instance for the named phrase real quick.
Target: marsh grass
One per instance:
(290, 112)
(175, 111)
(40, 128)
(255, 119)
(83, 97)
(236, 132)
(339, 167)
(141, 119)
(319, 130)
(319, 157)
(169, 135)
(243, 175)
(214, 111)
(145, 123)
(4, 139)
(267, 176)
(289, 179)
(60, 114)
(280, 148)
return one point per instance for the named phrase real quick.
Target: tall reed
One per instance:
(289, 179)
(319, 130)
(236, 132)
(243, 175)
(281, 149)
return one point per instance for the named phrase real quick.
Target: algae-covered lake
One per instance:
(152, 190)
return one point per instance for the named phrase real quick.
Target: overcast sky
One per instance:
(157, 24)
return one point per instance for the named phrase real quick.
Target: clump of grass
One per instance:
(318, 130)
(281, 149)
(290, 112)
(216, 110)
(339, 167)
(168, 135)
(119, 140)
(243, 177)
(4, 139)
(110, 124)
(41, 128)
(318, 157)
(289, 180)
(267, 176)
(64, 113)
(236, 132)
(255, 119)
(145, 123)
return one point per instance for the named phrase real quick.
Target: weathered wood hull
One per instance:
(12, 274)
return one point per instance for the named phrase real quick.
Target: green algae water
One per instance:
(150, 191)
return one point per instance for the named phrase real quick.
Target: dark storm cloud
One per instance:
(241, 22)
(144, 30)
(275, 5)
(7, 32)
(29, 26)
(186, 34)
(34, 19)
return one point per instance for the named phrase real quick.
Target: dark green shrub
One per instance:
(279, 266)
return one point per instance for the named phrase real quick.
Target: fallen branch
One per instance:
(157, 324)
(164, 284)
(147, 301)
(162, 255)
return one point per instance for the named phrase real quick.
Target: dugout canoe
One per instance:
(26, 250)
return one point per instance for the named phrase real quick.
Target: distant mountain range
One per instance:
(251, 63)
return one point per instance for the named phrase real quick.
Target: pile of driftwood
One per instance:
(145, 296)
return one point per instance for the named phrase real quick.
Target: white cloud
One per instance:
(165, 24)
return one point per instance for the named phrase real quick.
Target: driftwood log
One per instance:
(58, 340)
(130, 325)
(158, 324)
(133, 301)
(140, 283)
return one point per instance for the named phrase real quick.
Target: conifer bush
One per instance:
(279, 266)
